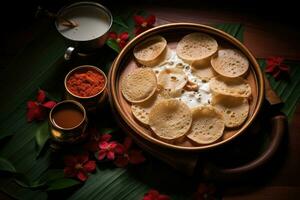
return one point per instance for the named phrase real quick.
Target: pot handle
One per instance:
(69, 52)
(278, 126)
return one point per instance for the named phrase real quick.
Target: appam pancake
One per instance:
(230, 63)
(207, 126)
(170, 119)
(139, 85)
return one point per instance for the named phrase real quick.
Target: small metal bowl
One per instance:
(68, 135)
(90, 103)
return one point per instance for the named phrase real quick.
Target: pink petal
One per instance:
(124, 36)
(101, 155)
(127, 142)
(270, 68)
(41, 113)
(105, 138)
(90, 166)
(104, 145)
(122, 44)
(153, 193)
(110, 155)
(151, 20)
(119, 149)
(278, 60)
(121, 161)
(276, 75)
(31, 104)
(284, 67)
(136, 157)
(31, 114)
(147, 198)
(41, 96)
(139, 19)
(81, 175)
(112, 145)
(35, 113)
(113, 35)
(49, 104)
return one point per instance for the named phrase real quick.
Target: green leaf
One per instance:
(119, 21)
(25, 183)
(62, 183)
(6, 166)
(42, 135)
(113, 44)
(54, 95)
(52, 175)
(5, 135)
(107, 130)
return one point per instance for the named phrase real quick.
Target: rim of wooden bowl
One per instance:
(193, 27)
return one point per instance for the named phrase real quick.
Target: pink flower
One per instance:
(143, 24)
(121, 39)
(37, 110)
(276, 67)
(79, 166)
(95, 138)
(155, 195)
(132, 156)
(109, 150)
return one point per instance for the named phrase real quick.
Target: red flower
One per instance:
(154, 195)
(143, 24)
(132, 156)
(37, 110)
(205, 191)
(109, 149)
(276, 67)
(79, 166)
(94, 140)
(121, 39)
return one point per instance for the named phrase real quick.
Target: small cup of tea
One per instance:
(68, 122)
(88, 27)
(87, 85)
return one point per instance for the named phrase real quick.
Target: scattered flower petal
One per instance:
(142, 24)
(109, 149)
(41, 96)
(155, 195)
(276, 67)
(37, 110)
(128, 155)
(121, 39)
(95, 138)
(79, 166)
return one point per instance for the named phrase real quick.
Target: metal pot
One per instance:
(89, 44)
(173, 33)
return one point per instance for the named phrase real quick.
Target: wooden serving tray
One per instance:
(125, 63)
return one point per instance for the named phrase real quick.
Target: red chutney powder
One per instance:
(86, 84)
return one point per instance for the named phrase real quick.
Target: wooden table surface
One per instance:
(264, 36)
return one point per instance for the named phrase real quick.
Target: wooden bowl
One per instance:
(125, 63)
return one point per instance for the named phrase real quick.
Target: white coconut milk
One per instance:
(193, 99)
(92, 22)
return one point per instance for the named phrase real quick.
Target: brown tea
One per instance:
(67, 116)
